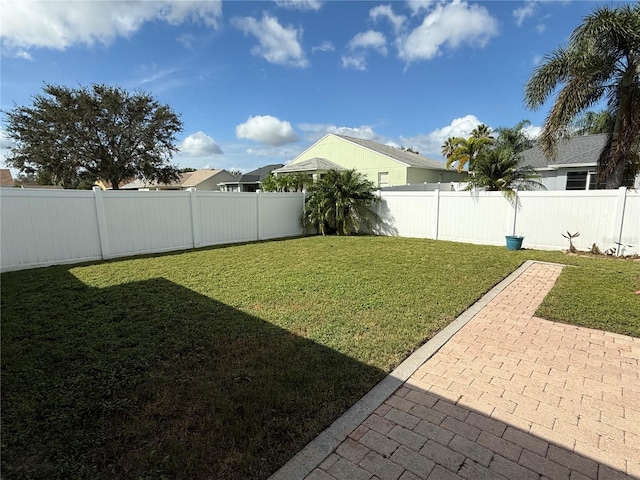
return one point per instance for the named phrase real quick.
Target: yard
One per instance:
(224, 362)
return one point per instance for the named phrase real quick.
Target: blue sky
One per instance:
(259, 82)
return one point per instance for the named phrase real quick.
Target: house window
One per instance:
(383, 179)
(582, 181)
(577, 180)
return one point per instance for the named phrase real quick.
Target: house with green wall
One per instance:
(382, 164)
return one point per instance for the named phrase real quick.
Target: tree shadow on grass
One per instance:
(150, 379)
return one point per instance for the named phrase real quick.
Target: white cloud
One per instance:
(430, 144)
(199, 144)
(278, 44)
(418, 6)
(540, 28)
(300, 4)
(267, 129)
(385, 11)
(325, 46)
(315, 131)
(369, 39)
(447, 25)
(59, 25)
(358, 46)
(526, 10)
(356, 61)
(186, 39)
(532, 131)
(5, 144)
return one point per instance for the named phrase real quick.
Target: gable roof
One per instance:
(309, 165)
(193, 179)
(6, 180)
(407, 158)
(572, 151)
(258, 174)
(187, 179)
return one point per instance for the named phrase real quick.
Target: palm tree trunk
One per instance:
(621, 146)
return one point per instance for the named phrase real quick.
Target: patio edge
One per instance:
(316, 451)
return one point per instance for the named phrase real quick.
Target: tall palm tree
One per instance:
(499, 169)
(449, 146)
(340, 203)
(601, 60)
(481, 131)
(464, 150)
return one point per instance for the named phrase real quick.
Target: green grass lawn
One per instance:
(224, 362)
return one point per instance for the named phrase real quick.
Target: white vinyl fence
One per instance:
(49, 227)
(603, 217)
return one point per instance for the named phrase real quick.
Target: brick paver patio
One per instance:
(508, 396)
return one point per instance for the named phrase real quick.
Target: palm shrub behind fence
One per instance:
(340, 203)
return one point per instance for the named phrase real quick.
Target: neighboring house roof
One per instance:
(187, 180)
(193, 179)
(6, 180)
(106, 184)
(310, 165)
(408, 158)
(257, 175)
(37, 185)
(574, 151)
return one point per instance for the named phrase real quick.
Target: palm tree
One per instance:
(449, 146)
(466, 150)
(514, 138)
(601, 60)
(590, 123)
(481, 131)
(499, 169)
(463, 151)
(340, 203)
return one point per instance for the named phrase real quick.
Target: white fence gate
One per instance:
(48, 227)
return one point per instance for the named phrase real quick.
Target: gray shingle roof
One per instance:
(258, 174)
(574, 150)
(310, 165)
(408, 158)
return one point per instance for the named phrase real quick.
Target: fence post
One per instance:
(436, 213)
(258, 215)
(102, 223)
(193, 205)
(618, 220)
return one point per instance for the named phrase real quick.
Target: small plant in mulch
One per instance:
(570, 237)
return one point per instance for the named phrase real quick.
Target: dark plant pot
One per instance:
(514, 242)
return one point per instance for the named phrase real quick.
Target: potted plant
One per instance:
(514, 242)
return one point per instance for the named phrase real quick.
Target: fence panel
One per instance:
(146, 222)
(226, 217)
(279, 215)
(45, 227)
(631, 224)
(408, 214)
(482, 218)
(541, 217)
(545, 216)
